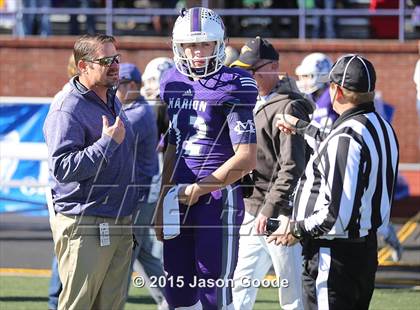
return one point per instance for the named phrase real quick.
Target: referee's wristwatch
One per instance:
(295, 230)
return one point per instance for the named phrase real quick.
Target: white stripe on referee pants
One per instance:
(324, 264)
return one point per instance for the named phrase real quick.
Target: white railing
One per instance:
(109, 12)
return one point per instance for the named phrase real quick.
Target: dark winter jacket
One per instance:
(281, 158)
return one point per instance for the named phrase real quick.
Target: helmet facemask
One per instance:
(308, 84)
(212, 63)
(150, 88)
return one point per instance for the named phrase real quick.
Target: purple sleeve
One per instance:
(239, 107)
(70, 159)
(325, 109)
(241, 124)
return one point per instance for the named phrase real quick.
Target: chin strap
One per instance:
(201, 71)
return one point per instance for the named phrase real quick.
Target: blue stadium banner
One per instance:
(23, 154)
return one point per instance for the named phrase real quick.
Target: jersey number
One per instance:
(190, 145)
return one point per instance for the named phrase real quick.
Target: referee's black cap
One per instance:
(354, 73)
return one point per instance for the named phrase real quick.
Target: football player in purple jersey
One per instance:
(212, 144)
(311, 73)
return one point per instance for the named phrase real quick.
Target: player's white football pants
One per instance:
(255, 259)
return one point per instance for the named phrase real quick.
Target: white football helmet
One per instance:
(198, 25)
(153, 74)
(314, 67)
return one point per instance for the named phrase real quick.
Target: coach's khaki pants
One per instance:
(93, 277)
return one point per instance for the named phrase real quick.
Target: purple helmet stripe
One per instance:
(196, 19)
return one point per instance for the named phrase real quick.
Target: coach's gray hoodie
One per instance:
(281, 158)
(91, 174)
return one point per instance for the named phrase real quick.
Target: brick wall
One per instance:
(37, 67)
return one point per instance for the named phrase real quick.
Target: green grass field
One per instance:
(18, 293)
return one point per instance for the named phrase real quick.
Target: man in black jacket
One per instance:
(281, 160)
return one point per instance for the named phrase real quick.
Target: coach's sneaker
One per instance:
(392, 240)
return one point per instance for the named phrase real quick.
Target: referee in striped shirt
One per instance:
(346, 192)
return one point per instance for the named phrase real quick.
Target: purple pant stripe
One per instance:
(206, 249)
(230, 245)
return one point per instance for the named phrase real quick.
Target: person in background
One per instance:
(90, 19)
(152, 76)
(142, 120)
(327, 26)
(36, 23)
(384, 27)
(162, 24)
(415, 16)
(311, 72)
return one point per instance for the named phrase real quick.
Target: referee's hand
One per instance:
(285, 239)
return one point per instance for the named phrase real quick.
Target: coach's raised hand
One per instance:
(116, 131)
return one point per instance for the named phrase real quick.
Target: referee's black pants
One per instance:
(339, 274)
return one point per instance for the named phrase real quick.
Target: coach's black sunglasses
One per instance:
(106, 61)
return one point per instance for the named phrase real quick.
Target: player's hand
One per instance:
(260, 223)
(288, 239)
(280, 235)
(116, 131)
(286, 123)
(189, 194)
(158, 224)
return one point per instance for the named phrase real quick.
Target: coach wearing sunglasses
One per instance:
(90, 145)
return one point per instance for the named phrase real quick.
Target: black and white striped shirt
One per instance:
(348, 184)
